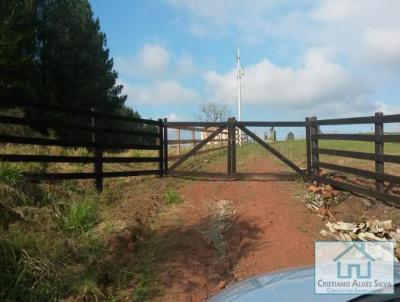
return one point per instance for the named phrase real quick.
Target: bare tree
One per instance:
(213, 112)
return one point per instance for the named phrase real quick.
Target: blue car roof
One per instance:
(283, 286)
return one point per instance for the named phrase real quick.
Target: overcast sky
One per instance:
(301, 58)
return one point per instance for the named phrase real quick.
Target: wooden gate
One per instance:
(229, 134)
(384, 185)
(192, 139)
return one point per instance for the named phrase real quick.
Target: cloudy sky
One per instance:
(301, 58)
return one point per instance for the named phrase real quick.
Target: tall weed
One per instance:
(79, 216)
(10, 174)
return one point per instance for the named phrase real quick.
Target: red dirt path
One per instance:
(268, 229)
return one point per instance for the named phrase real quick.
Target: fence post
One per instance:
(98, 155)
(229, 147)
(379, 152)
(194, 137)
(314, 146)
(165, 146)
(233, 126)
(178, 137)
(161, 149)
(308, 147)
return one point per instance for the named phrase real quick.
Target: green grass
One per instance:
(87, 287)
(369, 147)
(59, 249)
(68, 245)
(18, 279)
(205, 162)
(144, 288)
(10, 173)
(76, 167)
(171, 196)
(79, 216)
(295, 150)
(25, 276)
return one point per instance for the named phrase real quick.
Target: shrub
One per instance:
(79, 216)
(172, 197)
(86, 289)
(290, 136)
(9, 173)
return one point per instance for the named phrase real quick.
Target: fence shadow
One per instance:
(193, 258)
(185, 261)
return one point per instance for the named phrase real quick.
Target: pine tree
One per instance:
(18, 49)
(53, 51)
(73, 57)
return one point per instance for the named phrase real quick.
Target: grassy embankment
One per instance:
(65, 240)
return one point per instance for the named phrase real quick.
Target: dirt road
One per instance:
(226, 231)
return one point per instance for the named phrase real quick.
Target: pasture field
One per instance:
(295, 150)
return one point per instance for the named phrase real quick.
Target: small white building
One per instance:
(218, 140)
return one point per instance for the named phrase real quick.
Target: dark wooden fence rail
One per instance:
(96, 145)
(157, 140)
(379, 157)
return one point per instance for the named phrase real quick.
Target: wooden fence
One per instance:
(96, 142)
(204, 128)
(153, 135)
(379, 138)
(313, 135)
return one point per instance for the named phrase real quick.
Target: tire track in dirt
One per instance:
(267, 228)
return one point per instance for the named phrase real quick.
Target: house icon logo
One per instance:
(354, 262)
(354, 267)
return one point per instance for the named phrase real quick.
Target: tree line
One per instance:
(53, 52)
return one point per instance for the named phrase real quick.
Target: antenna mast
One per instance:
(239, 74)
